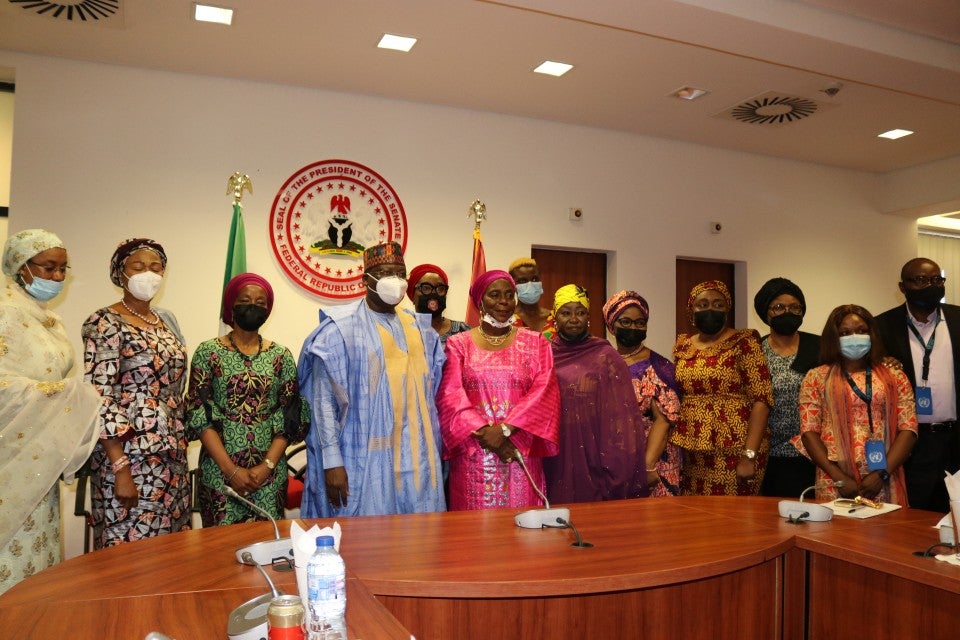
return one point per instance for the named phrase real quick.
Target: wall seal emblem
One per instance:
(323, 218)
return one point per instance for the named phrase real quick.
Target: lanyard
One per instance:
(867, 396)
(927, 348)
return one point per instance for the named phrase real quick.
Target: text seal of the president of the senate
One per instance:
(323, 218)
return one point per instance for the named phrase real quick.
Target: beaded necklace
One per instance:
(237, 349)
(152, 323)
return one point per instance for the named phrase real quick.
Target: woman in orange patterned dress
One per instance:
(853, 398)
(725, 399)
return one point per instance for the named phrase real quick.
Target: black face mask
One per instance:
(630, 337)
(566, 337)
(431, 303)
(249, 317)
(786, 324)
(926, 298)
(710, 321)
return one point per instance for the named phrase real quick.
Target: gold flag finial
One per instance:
(477, 211)
(236, 184)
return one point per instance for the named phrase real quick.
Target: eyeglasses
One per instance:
(627, 323)
(50, 270)
(925, 281)
(426, 289)
(794, 308)
(716, 305)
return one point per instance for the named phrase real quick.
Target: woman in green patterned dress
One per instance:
(244, 406)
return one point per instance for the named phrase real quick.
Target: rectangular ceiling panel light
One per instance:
(209, 13)
(553, 68)
(893, 134)
(397, 43)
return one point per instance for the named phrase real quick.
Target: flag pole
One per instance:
(477, 211)
(236, 262)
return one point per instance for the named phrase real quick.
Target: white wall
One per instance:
(102, 153)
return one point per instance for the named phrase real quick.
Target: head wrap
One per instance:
(709, 285)
(479, 286)
(127, 248)
(386, 253)
(232, 290)
(421, 270)
(619, 302)
(570, 293)
(521, 262)
(22, 246)
(774, 288)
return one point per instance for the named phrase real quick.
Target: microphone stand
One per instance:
(264, 552)
(798, 511)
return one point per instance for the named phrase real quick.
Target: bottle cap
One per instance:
(324, 541)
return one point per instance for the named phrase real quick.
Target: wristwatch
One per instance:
(884, 475)
(506, 430)
(749, 454)
(269, 463)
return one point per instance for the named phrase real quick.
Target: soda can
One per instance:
(285, 618)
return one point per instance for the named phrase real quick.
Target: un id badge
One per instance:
(876, 455)
(924, 401)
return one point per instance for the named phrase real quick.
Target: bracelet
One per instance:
(652, 469)
(122, 463)
(233, 475)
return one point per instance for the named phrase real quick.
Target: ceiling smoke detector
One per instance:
(772, 108)
(76, 10)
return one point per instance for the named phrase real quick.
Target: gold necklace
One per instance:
(495, 341)
(626, 356)
(152, 323)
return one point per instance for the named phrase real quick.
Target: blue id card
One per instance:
(876, 455)
(924, 401)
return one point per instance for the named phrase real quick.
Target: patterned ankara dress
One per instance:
(654, 382)
(140, 374)
(248, 400)
(515, 386)
(828, 406)
(719, 386)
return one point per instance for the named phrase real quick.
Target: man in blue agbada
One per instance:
(371, 374)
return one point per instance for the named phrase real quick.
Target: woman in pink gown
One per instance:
(498, 396)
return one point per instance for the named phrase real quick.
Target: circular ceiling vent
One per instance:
(71, 9)
(774, 110)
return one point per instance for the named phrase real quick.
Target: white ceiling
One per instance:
(898, 61)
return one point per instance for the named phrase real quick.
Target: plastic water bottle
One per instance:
(326, 593)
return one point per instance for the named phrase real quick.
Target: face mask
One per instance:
(144, 286)
(630, 337)
(926, 298)
(529, 292)
(433, 304)
(710, 321)
(250, 317)
(391, 289)
(580, 337)
(786, 324)
(854, 347)
(43, 289)
(496, 324)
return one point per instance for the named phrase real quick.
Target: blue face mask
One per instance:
(529, 292)
(43, 289)
(854, 347)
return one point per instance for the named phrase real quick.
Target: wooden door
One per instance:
(691, 273)
(587, 269)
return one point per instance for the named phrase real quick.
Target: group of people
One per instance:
(408, 411)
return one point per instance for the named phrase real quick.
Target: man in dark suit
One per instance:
(924, 335)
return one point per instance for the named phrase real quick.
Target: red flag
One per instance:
(479, 268)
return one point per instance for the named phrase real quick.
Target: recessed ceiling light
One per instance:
(397, 43)
(210, 13)
(689, 93)
(893, 134)
(553, 68)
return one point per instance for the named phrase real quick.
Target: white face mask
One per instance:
(496, 324)
(144, 286)
(390, 289)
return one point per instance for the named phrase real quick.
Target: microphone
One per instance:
(264, 552)
(580, 544)
(797, 511)
(249, 620)
(248, 559)
(539, 518)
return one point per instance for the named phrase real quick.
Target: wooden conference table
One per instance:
(693, 567)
